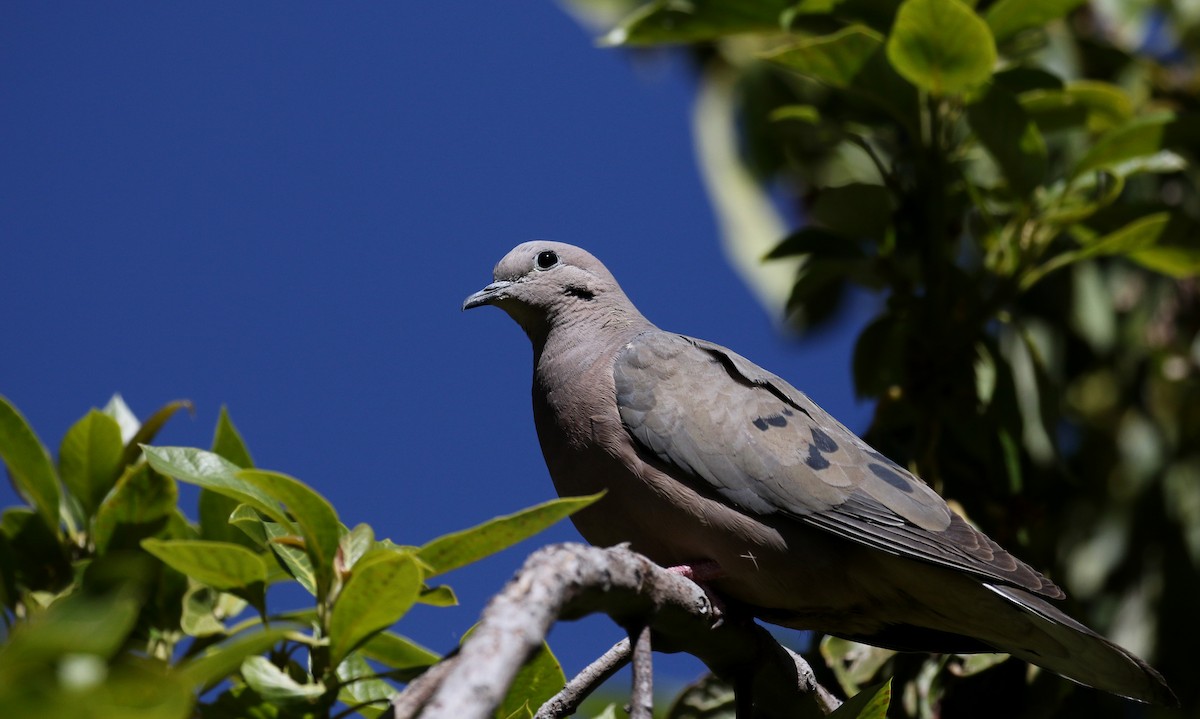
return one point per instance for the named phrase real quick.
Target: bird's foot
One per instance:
(702, 573)
(699, 572)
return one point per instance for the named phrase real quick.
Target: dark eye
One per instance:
(546, 260)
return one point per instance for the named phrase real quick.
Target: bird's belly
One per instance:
(773, 563)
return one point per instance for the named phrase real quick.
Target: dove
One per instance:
(708, 460)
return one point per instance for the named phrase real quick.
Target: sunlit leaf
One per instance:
(219, 661)
(227, 442)
(540, 678)
(89, 458)
(1139, 138)
(28, 464)
(218, 564)
(469, 545)
(316, 518)
(870, 703)
(835, 59)
(941, 46)
(214, 472)
(150, 428)
(274, 684)
(358, 610)
(398, 652)
(1174, 261)
(126, 419)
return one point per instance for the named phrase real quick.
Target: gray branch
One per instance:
(569, 581)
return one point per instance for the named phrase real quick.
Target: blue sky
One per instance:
(279, 207)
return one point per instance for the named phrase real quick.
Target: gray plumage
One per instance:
(707, 457)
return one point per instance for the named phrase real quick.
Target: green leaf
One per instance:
(214, 472)
(78, 624)
(397, 652)
(1008, 17)
(941, 46)
(274, 684)
(808, 114)
(853, 210)
(469, 545)
(89, 459)
(222, 565)
(540, 678)
(1140, 234)
(354, 544)
(150, 428)
(227, 442)
(126, 419)
(852, 663)
(358, 611)
(835, 59)
(28, 464)
(316, 517)
(815, 241)
(1108, 106)
(218, 662)
(1136, 237)
(1178, 262)
(359, 686)
(138, 506)
(283, 542)
(1011, 138)
(670, 21)
(200, 617)
(852, 59)
(439, 596)
(1139, 138)
(706, 698)
(870, 703)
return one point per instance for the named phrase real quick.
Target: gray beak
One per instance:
(488, 295)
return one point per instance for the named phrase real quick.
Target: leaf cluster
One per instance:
(1015, 181)
(118, 605)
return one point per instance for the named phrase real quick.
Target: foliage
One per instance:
(117, 605)
(1015, 181)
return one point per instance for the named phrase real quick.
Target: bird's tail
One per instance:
(1066, 647)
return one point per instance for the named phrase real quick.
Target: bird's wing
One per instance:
(716, 419)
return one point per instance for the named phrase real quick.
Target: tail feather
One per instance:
(1068, 648)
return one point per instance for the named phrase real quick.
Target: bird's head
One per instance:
(543, 285)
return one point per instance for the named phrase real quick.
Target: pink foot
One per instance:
(699, 572)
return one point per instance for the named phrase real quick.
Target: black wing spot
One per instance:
(815, 459)
(891, 477)
(823, 441)
(761, 424)
(777, 420)
(787, 412)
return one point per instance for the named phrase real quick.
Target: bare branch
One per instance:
(641, 705)
(567, 701)
(569, 581)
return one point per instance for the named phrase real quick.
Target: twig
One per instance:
(641, 704)
(807, 682)
(570, 581)
(567, 701)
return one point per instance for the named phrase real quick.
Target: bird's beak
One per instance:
(488, 295)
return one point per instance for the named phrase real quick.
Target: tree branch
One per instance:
(569, 581)
(641, 705)
(567, 701)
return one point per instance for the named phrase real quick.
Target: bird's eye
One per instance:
(546, 260)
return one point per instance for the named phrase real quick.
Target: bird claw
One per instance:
(701, 573)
